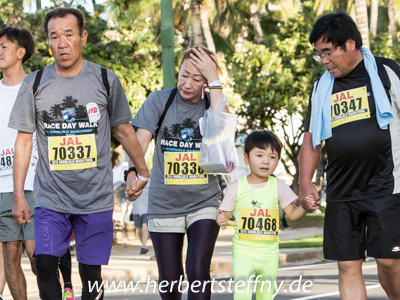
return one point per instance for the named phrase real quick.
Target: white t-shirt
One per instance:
(8, 94)
(285, 195)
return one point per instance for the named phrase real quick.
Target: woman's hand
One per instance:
(205, 64)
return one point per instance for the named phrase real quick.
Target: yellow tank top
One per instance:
(257, 213)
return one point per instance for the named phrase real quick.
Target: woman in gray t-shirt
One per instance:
(182, 197)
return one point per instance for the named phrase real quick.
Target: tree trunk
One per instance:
(374, 17)
(392, 22)
(38, 4)
(206, 29)
(256, 24)
(197, 33)
(362, 20)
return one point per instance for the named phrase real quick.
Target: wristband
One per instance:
(126, 172)
(215, 83)
(143, 178)
(215, 87)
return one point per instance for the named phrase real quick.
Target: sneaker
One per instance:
(68, 294)
(143, 250)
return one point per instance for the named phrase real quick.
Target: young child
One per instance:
(255, 199)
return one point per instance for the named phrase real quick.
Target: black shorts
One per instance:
(352, 227)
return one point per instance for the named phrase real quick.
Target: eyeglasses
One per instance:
(321, 57)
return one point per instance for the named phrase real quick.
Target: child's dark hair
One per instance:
(262, 139)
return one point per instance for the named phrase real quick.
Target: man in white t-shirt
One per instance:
(16, 47)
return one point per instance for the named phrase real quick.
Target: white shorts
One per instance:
(181, 224)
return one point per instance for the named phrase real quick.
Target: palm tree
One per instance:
(256, 23)
(165, 133)
(176, 129)
(197, 33)
(392, 22)
(69, 102)
(206, 27)
(80, 112)
(45, 116)
(56, 110)
(374, 17)
(188, 123)
(362, 20)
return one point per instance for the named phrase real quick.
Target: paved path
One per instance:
(126, 264)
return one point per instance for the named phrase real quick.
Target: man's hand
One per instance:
(222, 220)
(134, 187)
(309, 197)
(20, 211)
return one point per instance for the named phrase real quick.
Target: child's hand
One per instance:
(310, 199)
(222, 220)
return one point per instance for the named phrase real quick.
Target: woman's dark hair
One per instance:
(336, 28)
(262, 139)
(61, 12)
(186, 55)
(22, 38)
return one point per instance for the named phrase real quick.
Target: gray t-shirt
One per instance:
(72, 117)
(177, 144)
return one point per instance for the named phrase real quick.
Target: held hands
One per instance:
(309, 197)
(205, 64)
(20, 211)
(133, 187)
(222, 221)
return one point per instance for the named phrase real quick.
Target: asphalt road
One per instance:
(313, 280)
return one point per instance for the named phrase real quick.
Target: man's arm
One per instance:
(126, 135)
(144, 137)
(22, 156)
(309, 160)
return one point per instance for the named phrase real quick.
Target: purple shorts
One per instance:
(93, 235)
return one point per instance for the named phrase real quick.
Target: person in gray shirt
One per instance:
(71, 104)
(182, 198)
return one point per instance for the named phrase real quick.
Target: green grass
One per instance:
(309, 242)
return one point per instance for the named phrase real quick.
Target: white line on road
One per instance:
(317, 265)
(334, 293)
(306, 266)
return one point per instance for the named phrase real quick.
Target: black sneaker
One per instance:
(143, 250)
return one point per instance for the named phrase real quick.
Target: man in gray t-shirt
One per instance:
(71, 104)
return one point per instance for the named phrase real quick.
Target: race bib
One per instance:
(182, 168)
(258, 224)
(349, 106)
(6, 161)
(72, 152)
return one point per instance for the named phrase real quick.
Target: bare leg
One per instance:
(2, 272)
(145, 235)
(139, 233)
(30, 248)
(388, 274)
(351, 280)
(14, 274)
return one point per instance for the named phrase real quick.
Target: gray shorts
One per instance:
(139, 220)
(10, 231)
(181, 224)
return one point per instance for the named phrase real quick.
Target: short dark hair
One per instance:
(61, 12)
(23, 38)
(336, 27)
(262, 139)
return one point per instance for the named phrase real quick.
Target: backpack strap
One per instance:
(167, 105)
(104, 77)
(384, 77)
(37, 81)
